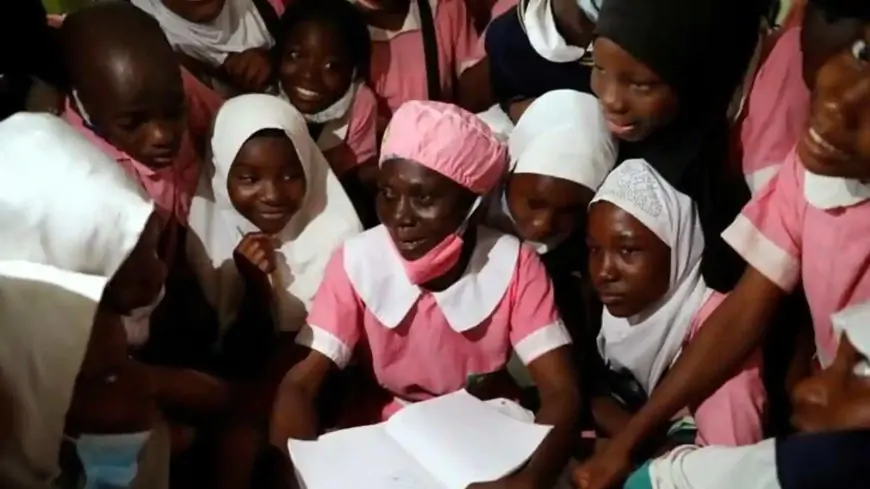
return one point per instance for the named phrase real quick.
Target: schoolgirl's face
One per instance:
(837, 398)
(266, 181)
(418, 206)
(316, 66)
(635, 99)
(629, 265)
(137, 103)
(837, 140)
(544, 207)
(822, 37)
(196, 11)
(138, 281)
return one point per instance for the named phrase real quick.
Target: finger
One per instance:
(264, 266)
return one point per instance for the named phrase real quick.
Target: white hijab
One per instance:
(647, 344)
(69, 217)
(540, 26)
(562, 134)
(325, 219)
(237, 28)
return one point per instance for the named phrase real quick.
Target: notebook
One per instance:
(448, 442)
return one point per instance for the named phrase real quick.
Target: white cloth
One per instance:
(47, 314)
(563, 134)
(62, 201)
(499, 122)
(69, 217)
(335, 118)
(325, 219)
(543, 35)
(831, 192)
(648, 343)
(853, 323)
(237, 28)
(692, 467)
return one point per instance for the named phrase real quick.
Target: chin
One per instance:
(620, 310)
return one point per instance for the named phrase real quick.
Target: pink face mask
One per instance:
(440, 259)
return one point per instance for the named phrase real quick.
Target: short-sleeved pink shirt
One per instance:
(398, 68)
(352, 140)
(423, 344)
(776, 111)
(788, 240)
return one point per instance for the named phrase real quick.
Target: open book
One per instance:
(448, 442)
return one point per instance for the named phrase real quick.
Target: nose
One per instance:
(270, 194)
(541, 226)
(812, 392)
(161, 134)
(402, 213)
(850, 105)
(611, 97)
(606, 269)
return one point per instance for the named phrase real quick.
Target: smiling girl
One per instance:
(808, 225)
(323, 64)
(428, 298)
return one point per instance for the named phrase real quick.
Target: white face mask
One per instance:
(138, 322)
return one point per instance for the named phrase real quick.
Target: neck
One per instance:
(454, 274)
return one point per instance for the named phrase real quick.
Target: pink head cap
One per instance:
(448, 140)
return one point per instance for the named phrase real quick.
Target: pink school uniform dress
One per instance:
(776, 111)
(352, 139)
(420, 343)
(647, 344)
(398, 67)
(803, 228)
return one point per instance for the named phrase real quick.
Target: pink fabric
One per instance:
(361, 143)
(776, 110)
(398, 68)
(423, 356)
(279, 5)
(789, 241)
(448, 140)
(733, 415)
(203, 104)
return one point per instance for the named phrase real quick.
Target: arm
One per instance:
(472, 67)
(295, 412)
(557, 384)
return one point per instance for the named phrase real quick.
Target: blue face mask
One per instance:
(110, 461)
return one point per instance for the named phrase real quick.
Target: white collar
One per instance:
(379, 278)
(412, 23)
(831, 192)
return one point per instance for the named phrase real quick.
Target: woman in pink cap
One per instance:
(428, 300)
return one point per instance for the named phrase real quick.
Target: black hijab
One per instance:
(701, 49)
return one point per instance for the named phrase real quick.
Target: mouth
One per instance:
(307, 95)
(610, 298)
(275, 214)
(620, 128)
(821, 149)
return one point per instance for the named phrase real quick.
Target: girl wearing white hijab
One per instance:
(307, 218)
(227, 38)
(76, 232)
(645, 245)
(830, 413)
(560, 152)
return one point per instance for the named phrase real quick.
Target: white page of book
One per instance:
(358, 458)
(461, 440)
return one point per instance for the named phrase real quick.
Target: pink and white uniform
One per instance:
(422, 343)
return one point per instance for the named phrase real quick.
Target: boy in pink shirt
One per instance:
(809, 225)
(131, 99)
(428, 299)
(323, 63)
(400, 66)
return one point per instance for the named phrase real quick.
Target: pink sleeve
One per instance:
(334, 322)
(536, 327)
(776, 111)
(768, 232)
(202, 105)
(453, 17)
(362, 139)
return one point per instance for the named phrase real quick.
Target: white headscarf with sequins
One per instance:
(648, 343)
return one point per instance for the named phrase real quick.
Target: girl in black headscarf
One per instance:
(665, 72)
